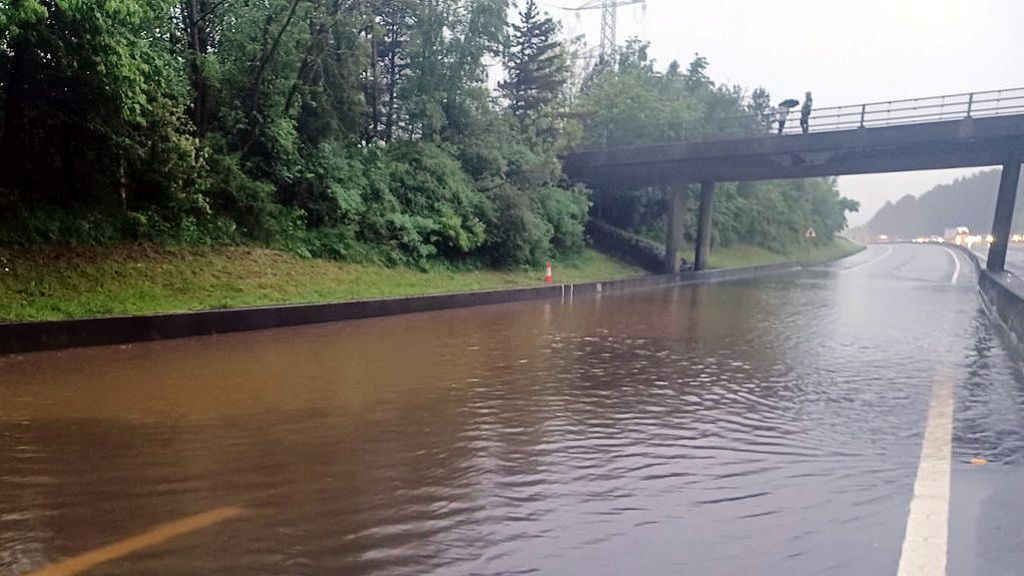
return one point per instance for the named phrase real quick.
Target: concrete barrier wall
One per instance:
(51, 335)
(626, 246)
(1003, 295)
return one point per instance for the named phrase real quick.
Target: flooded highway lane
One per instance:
(755, 427)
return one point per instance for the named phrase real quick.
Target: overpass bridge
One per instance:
(951, 131)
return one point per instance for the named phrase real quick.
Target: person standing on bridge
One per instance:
(805, 113)
(780, 116)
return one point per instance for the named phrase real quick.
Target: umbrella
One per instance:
(789, 103)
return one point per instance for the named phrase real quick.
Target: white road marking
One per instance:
(924, 544)
(956, 265)
(863, 264)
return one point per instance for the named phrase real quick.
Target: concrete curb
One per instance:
(55, 334)
(1003, 294)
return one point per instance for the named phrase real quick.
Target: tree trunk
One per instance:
(375, 119)
(393, 73)
(194, 14)
(267, 53)
(12, 138)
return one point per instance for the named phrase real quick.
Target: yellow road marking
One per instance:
(120, 549)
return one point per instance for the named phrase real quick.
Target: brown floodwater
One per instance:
(762, 427)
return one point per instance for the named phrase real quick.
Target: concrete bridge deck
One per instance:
(948, 144)
(977, 129)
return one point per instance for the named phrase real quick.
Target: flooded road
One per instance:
(755, 427)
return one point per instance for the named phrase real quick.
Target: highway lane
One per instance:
(1014, 256)
(776, 426)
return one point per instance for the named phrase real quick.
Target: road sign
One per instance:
(810, 233)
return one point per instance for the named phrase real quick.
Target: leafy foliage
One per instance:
(350, 129)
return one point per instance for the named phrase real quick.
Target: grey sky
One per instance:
(845, 51)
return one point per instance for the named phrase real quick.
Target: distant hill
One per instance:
(968, 201)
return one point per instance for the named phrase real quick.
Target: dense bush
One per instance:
(517, 234)
(566, 212)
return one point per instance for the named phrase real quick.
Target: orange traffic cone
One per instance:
(548, 279)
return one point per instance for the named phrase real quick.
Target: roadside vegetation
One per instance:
(49, 284)
(741, 255)
(354, 135)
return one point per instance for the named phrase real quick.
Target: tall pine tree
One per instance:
(537, 66)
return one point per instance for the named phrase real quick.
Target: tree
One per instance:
(394, 21)
(536, 64)
(760, 107)
(696, 76)
(94, 106)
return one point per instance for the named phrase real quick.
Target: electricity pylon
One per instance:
(608, 16)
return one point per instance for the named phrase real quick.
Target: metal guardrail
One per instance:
(911, 111)
(849, 117)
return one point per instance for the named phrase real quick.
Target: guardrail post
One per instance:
(863, 108)
(970, 103)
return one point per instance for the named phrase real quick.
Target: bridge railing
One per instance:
(829, 119)
(911, 111)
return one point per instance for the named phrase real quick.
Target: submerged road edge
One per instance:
(36, 336)
(1002, 294)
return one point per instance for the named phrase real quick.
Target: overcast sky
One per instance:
(845, 51)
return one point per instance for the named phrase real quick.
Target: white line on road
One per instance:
(872, 261)
(956, 265)
(924, 545)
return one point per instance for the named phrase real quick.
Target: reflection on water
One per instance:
(767, 427)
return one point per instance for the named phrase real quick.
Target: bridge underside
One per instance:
(970, 142)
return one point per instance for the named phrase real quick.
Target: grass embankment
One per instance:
(744, 255)
(50, 284)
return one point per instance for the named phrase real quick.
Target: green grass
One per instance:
(839, 248)
(49, 284)
(743, 255)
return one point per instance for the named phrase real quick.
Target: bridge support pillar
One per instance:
(1003, 219)
(707, 204)
(676, 201)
